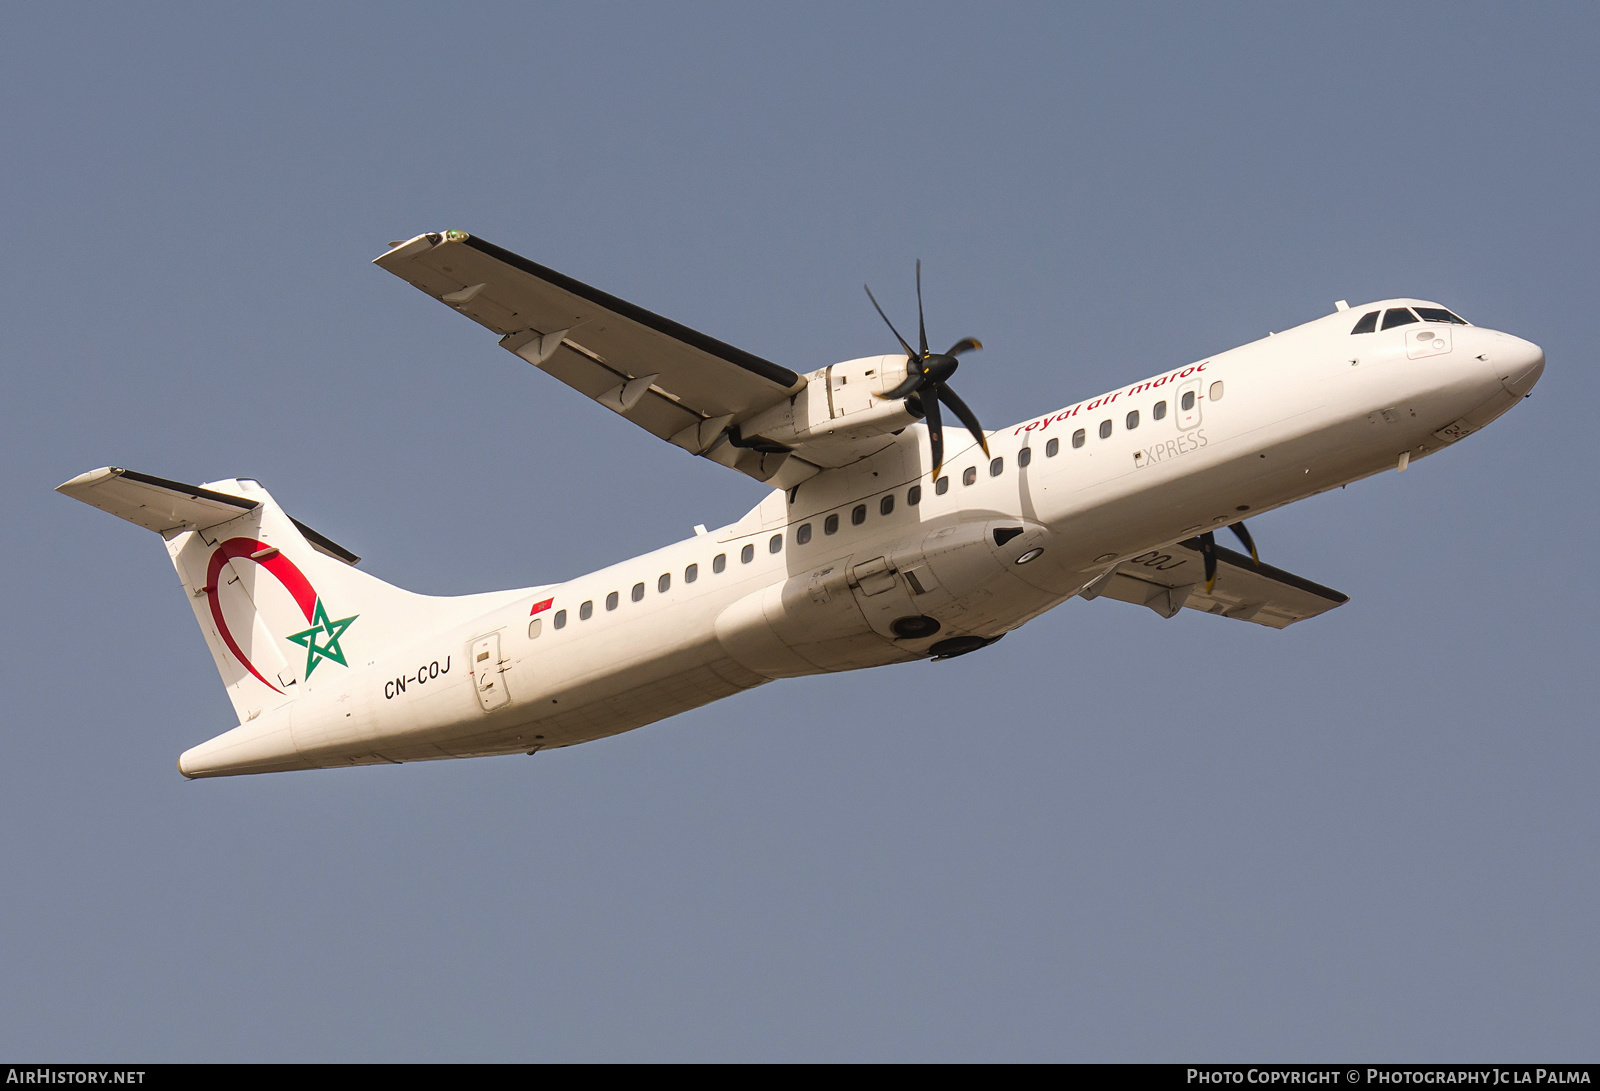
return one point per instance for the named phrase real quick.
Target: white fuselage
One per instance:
(779, 594)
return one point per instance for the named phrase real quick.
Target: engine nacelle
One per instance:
(840, 403)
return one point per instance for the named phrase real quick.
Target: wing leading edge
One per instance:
(676, 383)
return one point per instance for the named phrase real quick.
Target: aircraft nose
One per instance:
(1519, 362)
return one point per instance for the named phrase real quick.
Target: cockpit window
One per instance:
(1439, 314)
(1398, 316)
(1368, 323)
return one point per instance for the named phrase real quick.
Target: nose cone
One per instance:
(1519, 363)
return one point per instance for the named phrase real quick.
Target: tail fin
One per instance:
(283, 608)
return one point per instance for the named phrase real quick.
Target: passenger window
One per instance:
(830, 525)
(691, 573)
(1187, 401)
(586, 611)
(638, 592)
(611, 601)
(1077, 438)
(1398, 316)
(1215, 393)
(663, 583)
(886, 505)
(719, 562)
(561, 619)
(1052, 448)
(1024, 457)
(747, 554)
(941, 486)
(1105, 429)
(775, 545)
(533, 628)
(1133, 420)
(858, 515)
(1368, 323)
(969, 475)
(803, 535)
(914, 495)
(997, 467)
(1439, 314)
(1159, 411)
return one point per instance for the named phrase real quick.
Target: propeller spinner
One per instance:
(927, 374)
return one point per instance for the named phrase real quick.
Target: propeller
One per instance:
(1208, 550)
(927, 374)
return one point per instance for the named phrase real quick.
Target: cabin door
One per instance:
(489, 672)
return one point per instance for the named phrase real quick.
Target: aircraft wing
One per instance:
(1171, 579)
(673, 382)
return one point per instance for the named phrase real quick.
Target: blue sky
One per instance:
(1112, 837)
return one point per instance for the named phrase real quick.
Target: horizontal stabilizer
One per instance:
(167, 507)
(1171, 579)
(154, 502)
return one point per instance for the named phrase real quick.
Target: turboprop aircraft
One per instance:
(884, 538)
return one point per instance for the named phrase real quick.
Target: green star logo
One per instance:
(329, 648)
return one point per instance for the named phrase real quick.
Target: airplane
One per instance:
(884, 538)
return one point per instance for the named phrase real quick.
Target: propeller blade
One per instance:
(1208, 553)
(909, 385)
(909, 354)
(922, 329)
(1244, 536)
(966, 344)
(930, 409)
(968, 417)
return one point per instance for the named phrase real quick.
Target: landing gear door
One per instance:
(1188, 407)
(881, 593)
(489, 672)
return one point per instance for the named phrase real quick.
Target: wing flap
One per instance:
(1171, 579)
(654, 411)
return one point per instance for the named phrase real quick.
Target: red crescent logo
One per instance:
(293, 580)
